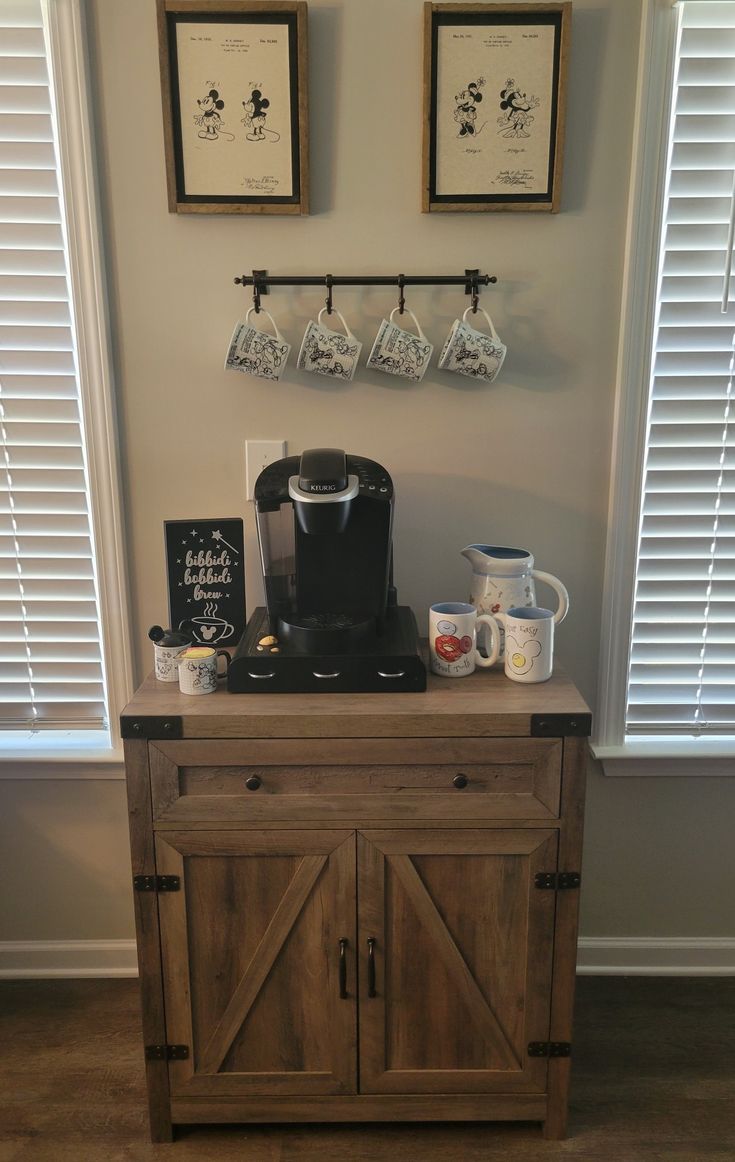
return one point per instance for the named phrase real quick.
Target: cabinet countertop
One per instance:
(482, 704)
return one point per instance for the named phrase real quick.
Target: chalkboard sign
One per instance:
(205, 562)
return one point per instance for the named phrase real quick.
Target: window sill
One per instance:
(66, 754)
(646, 755)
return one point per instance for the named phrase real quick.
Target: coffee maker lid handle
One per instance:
(323, 470)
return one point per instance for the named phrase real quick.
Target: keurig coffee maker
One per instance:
(331, 620)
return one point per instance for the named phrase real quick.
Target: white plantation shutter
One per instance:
(51, 672)
(682, 665)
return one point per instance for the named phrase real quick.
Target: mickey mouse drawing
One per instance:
(254, 119)
(208, 117)
(518, 107)
(466, 103)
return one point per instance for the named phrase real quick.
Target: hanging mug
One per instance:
(471, 352)
(327, 352)
(257, 352)
(399, 352)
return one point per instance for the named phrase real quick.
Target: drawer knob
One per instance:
(460, 781)
(252, 783)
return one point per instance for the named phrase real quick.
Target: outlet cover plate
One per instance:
(258, 454)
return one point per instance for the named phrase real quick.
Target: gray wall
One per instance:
(525, 461)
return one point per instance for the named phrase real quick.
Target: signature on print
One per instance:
(513, 177)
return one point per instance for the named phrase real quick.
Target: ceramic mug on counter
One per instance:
(198, 669)
(167, 645)
(453, 639)
(529, 643)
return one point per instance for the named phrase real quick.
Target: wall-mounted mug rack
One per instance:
(261, 282)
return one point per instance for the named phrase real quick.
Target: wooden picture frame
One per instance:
(235, 107)
(494, 95)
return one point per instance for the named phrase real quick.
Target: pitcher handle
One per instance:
(559, 589)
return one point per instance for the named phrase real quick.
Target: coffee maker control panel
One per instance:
(373, 480)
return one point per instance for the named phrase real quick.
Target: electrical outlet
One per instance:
(258, 454)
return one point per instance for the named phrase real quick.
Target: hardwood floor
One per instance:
(653, 1081)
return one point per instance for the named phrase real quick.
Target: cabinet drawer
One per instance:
(334, 780)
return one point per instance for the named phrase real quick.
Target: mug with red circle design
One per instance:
(453, 629)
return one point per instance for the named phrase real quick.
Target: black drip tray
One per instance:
(389, 662)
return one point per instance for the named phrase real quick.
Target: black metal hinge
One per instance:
(151, 726)
(558, 880)
(166, 1052)
(549, 1049)
(156, 883)
(561, 725)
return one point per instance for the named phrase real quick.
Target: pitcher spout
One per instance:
(479, 556)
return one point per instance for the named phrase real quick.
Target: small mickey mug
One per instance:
(198, 669)
(257, 352)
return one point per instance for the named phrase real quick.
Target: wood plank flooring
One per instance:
(653, 1081)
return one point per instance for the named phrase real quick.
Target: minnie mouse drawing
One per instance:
(254, 119)
(209, 119)
(518, 107)
(465, 112)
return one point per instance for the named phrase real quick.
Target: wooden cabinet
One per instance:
(348, 907)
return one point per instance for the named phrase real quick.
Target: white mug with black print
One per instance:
(471, 352)
(399, 352)
(327, 352)
(529, 643)
(257, 352)
(198, 669)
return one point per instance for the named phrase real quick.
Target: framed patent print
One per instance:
(494, 83)
(234, 88)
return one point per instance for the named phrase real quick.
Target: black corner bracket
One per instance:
(561, 725)
(151, 726)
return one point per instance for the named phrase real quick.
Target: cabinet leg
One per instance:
(161, 1128)
(555, 1128)
(159, 1109)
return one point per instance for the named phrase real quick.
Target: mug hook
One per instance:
(259, 288)
(401, 296)
(328, 300)
(471, 287)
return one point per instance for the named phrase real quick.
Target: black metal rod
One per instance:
(364, 280)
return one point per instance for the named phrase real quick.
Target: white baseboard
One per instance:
(43, 959)
(597, 956)
(656, 956)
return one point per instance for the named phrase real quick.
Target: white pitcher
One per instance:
(504, 578)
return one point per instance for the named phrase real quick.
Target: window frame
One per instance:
(66, 754)
(640, 755)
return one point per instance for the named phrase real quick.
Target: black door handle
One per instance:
(371, 966)
(343, 968)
